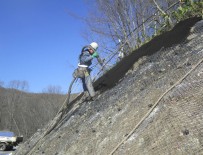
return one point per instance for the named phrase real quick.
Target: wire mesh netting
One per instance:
(145, 32)
(175, 125)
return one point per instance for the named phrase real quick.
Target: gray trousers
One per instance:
(88, 85)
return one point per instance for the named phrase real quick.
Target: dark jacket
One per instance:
(85, 57)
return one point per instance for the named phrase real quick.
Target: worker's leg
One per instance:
(86, 92)
(84, 84)
(89, 86)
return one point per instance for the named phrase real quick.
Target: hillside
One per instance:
(149, 104)
(25, 113)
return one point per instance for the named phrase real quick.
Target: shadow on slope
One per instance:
(79, 133)
(175, 36)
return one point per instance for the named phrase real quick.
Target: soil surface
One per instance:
(151, 104)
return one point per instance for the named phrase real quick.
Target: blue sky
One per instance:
(39, 41)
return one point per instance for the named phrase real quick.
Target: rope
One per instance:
(156, 103)
(66, 102)
(63, 108)
(57, 118)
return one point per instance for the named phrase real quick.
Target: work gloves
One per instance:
(95, 55)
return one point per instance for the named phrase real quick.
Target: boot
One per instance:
(85, 96)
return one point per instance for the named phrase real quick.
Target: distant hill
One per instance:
(25, 113)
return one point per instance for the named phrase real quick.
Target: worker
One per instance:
(88, 53)
(124, 49)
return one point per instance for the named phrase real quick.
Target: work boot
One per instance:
(92, 98)
(89, 98)
(86, 96)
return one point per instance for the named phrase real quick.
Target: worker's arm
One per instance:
(87, 57)
(96, 55)
(100, 61)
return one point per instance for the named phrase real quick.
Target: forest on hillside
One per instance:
(24, 113)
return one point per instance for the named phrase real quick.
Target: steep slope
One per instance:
(154, 109)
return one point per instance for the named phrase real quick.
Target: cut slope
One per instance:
(173, 127)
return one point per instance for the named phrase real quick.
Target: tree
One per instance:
(164, 14)
(113, 20)
(122, 20)
(24, 113)
(53, 90)
(133, 22)
(19, 85)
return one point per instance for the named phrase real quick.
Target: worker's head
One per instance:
(91, 50)
(94, 45)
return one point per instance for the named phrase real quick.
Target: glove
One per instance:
(100, 61)
(95, 55)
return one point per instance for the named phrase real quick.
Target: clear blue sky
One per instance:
(39, 40)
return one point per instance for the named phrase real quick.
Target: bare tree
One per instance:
(165, 14)
(125, 20)
(53, 90)
(13, 98)
(118, 19)
(19, 85)
(24, 113)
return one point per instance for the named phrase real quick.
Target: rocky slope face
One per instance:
(156, 108)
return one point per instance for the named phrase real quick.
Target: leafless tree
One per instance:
(124, 19)
(19, 85)
(52, 90)
(165, 14)
(12, 98)
(24, 113)
(117, 20)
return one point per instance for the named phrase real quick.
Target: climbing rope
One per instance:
(59, 116)
(155, 105)
(57, 119)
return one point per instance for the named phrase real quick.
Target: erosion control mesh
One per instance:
(175, 125)
(170, 81)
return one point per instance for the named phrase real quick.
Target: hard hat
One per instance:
(94, 45)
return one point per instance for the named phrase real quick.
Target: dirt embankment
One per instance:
(153, 106)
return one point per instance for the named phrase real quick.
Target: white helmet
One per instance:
(94, 45)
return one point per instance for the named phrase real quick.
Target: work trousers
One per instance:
(88, 85)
